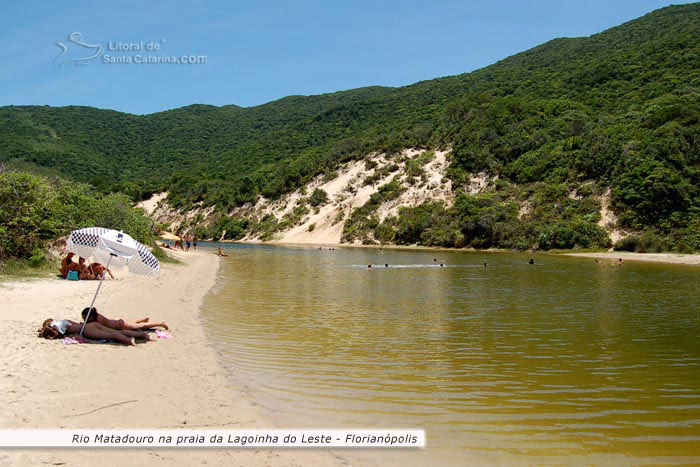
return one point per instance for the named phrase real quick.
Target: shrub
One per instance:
(318, 197)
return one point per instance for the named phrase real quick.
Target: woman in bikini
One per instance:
(120, 324)
(57, 329)
(99, 271)
(84, 271)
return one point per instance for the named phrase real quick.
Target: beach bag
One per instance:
(72, 276)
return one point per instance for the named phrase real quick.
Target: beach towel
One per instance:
(82, 340)
(163, 334)
(72, 276)
(74, 340)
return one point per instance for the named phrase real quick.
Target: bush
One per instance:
(318, 197)
(35, 210)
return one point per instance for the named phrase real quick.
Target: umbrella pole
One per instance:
(96, 292)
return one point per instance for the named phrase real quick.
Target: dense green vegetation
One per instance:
(618, 110)
(35, 211)
(492, 220)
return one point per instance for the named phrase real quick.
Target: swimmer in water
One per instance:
(386, 265)
(532, 261)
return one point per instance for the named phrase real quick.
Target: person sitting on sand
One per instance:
(84, 271)
(57, 329)
(81, 268)
(120, 324)
(99, 270)
(65, 264)
(221, 253)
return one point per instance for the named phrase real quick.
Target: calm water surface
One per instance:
(562, 362)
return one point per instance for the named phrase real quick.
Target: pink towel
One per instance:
(163, 334)
(74, 340)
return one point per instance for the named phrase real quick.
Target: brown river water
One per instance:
(562, 362)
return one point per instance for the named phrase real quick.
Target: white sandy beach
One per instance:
(673, 258)
(165, 383)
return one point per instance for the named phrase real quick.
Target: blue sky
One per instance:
(261, 51)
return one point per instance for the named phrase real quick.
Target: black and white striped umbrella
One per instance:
(114, 248)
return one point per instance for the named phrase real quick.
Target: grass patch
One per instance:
(164, 257)
(18, 270)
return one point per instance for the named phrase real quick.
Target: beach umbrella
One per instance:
(116, 249)
(169, 236)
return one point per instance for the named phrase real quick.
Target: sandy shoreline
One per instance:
(673, 258)
(166, 383)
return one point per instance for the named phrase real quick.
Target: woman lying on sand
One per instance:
(57, 329)
(120, 324)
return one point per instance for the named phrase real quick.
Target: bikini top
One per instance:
(61, 325)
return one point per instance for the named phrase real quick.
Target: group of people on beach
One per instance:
(84, 270)
(99, 327)
(182, 243)
(186, 242)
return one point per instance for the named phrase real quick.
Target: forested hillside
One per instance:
(556, 129)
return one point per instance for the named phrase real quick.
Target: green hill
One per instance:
(619, 110)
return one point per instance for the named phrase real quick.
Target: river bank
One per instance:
(673, 258)
(165, 383)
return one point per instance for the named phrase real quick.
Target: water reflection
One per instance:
(562, 361)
